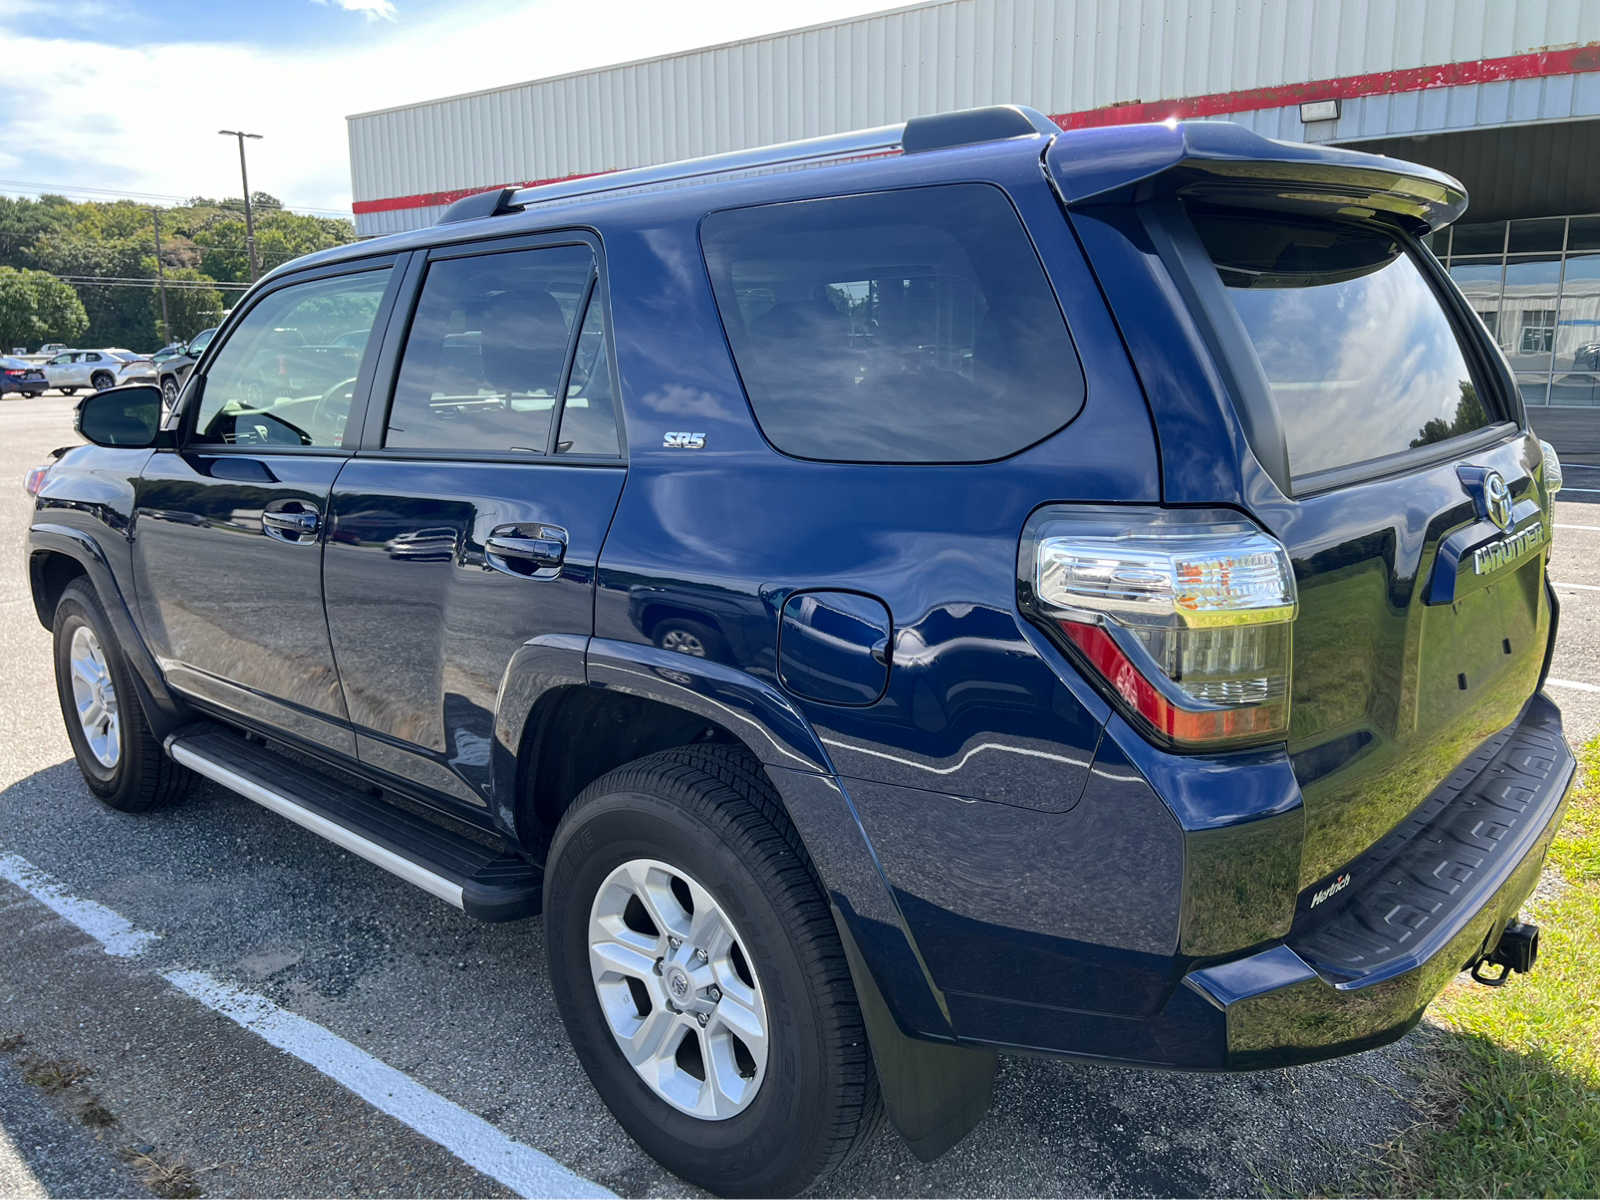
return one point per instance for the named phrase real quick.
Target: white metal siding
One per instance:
(1057, 55)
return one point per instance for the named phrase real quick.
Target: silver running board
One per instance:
(379, 856)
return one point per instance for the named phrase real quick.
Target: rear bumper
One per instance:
(1427, 905)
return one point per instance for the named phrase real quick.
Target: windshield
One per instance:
(1357, 349)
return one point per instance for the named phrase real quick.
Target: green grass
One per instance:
(1514, 1094)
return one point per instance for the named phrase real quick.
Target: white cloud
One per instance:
(145, 118)
(373, 10)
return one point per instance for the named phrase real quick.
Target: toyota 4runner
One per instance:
(885, 600)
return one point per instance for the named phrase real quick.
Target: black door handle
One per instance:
(525, 549)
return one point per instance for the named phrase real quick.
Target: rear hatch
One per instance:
(1404, 483)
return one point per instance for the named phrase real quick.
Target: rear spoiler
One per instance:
(1122, 163)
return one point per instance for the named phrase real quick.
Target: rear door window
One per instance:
(1355, 344)
(487, 351)
(904, 326)
(589, 417)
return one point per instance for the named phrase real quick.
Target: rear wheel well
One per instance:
(52, 572)
(577, 734)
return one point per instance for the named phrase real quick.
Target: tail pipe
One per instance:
(1517, 950)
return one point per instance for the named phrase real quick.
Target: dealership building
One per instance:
(1504, 96)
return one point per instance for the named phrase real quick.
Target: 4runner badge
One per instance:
(683, 441)
(1338, 885)
(1493, 500)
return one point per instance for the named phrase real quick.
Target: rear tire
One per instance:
(169, 393)
(101, 380)
(708, 817)
(121, 760)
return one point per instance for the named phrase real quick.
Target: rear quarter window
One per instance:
(1356, 346)
(909, 326)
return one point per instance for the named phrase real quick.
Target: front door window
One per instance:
(287, 373)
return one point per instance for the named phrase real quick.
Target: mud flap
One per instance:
(935, 1092)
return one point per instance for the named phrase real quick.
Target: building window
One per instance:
(1538, 331)
(1491, 320)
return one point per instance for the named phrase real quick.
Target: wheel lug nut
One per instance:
(674, 942)
(702, 1018)
(713, 994)
(701, 956)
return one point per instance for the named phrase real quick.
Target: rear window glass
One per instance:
(904, 326)
(1360, 356)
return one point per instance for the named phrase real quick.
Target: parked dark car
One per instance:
(172, 370)
(977, 588)
(24, 378)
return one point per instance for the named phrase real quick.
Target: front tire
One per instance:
(681, 848)
(169, 393)
(121, 760)
(67, 391)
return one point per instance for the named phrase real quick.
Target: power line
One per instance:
(131, 281)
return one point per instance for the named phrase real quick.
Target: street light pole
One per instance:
(244, 178)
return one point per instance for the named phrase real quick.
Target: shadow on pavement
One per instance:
(467, 1009)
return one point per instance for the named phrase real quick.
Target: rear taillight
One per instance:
(1183, 616)
(1552, 468)
(33, 481)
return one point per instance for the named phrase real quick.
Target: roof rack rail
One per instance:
(481, 204)
(966, 126)
(937, 132)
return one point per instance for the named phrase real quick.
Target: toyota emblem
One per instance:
(1497, 499)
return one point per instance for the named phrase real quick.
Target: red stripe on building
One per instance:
(1541, 65)
(433, 199)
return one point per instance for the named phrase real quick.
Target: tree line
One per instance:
(46, 241)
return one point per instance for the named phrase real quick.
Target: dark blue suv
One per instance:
(889, 599)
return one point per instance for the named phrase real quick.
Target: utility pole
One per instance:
(161, 277)
(244, 178)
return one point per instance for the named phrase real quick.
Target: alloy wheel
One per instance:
(95, 697)
(678, 990)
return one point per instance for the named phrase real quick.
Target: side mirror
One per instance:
(128, 417)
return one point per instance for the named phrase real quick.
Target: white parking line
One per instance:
(112, 930)
(1588, 528)
(1573, 684)
(1585, 491)
(526, 1171)
(470, 1138)
(1580, 587)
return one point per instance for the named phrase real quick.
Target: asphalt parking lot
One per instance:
(433, 1040)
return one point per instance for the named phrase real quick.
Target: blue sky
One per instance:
(194, 21)
(157, 78)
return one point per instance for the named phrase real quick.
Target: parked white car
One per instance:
(97, 369)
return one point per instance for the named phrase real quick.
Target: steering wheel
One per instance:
(332, 410)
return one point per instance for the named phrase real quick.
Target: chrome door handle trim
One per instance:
(296, 528)
(530, 551)
(545, 552)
